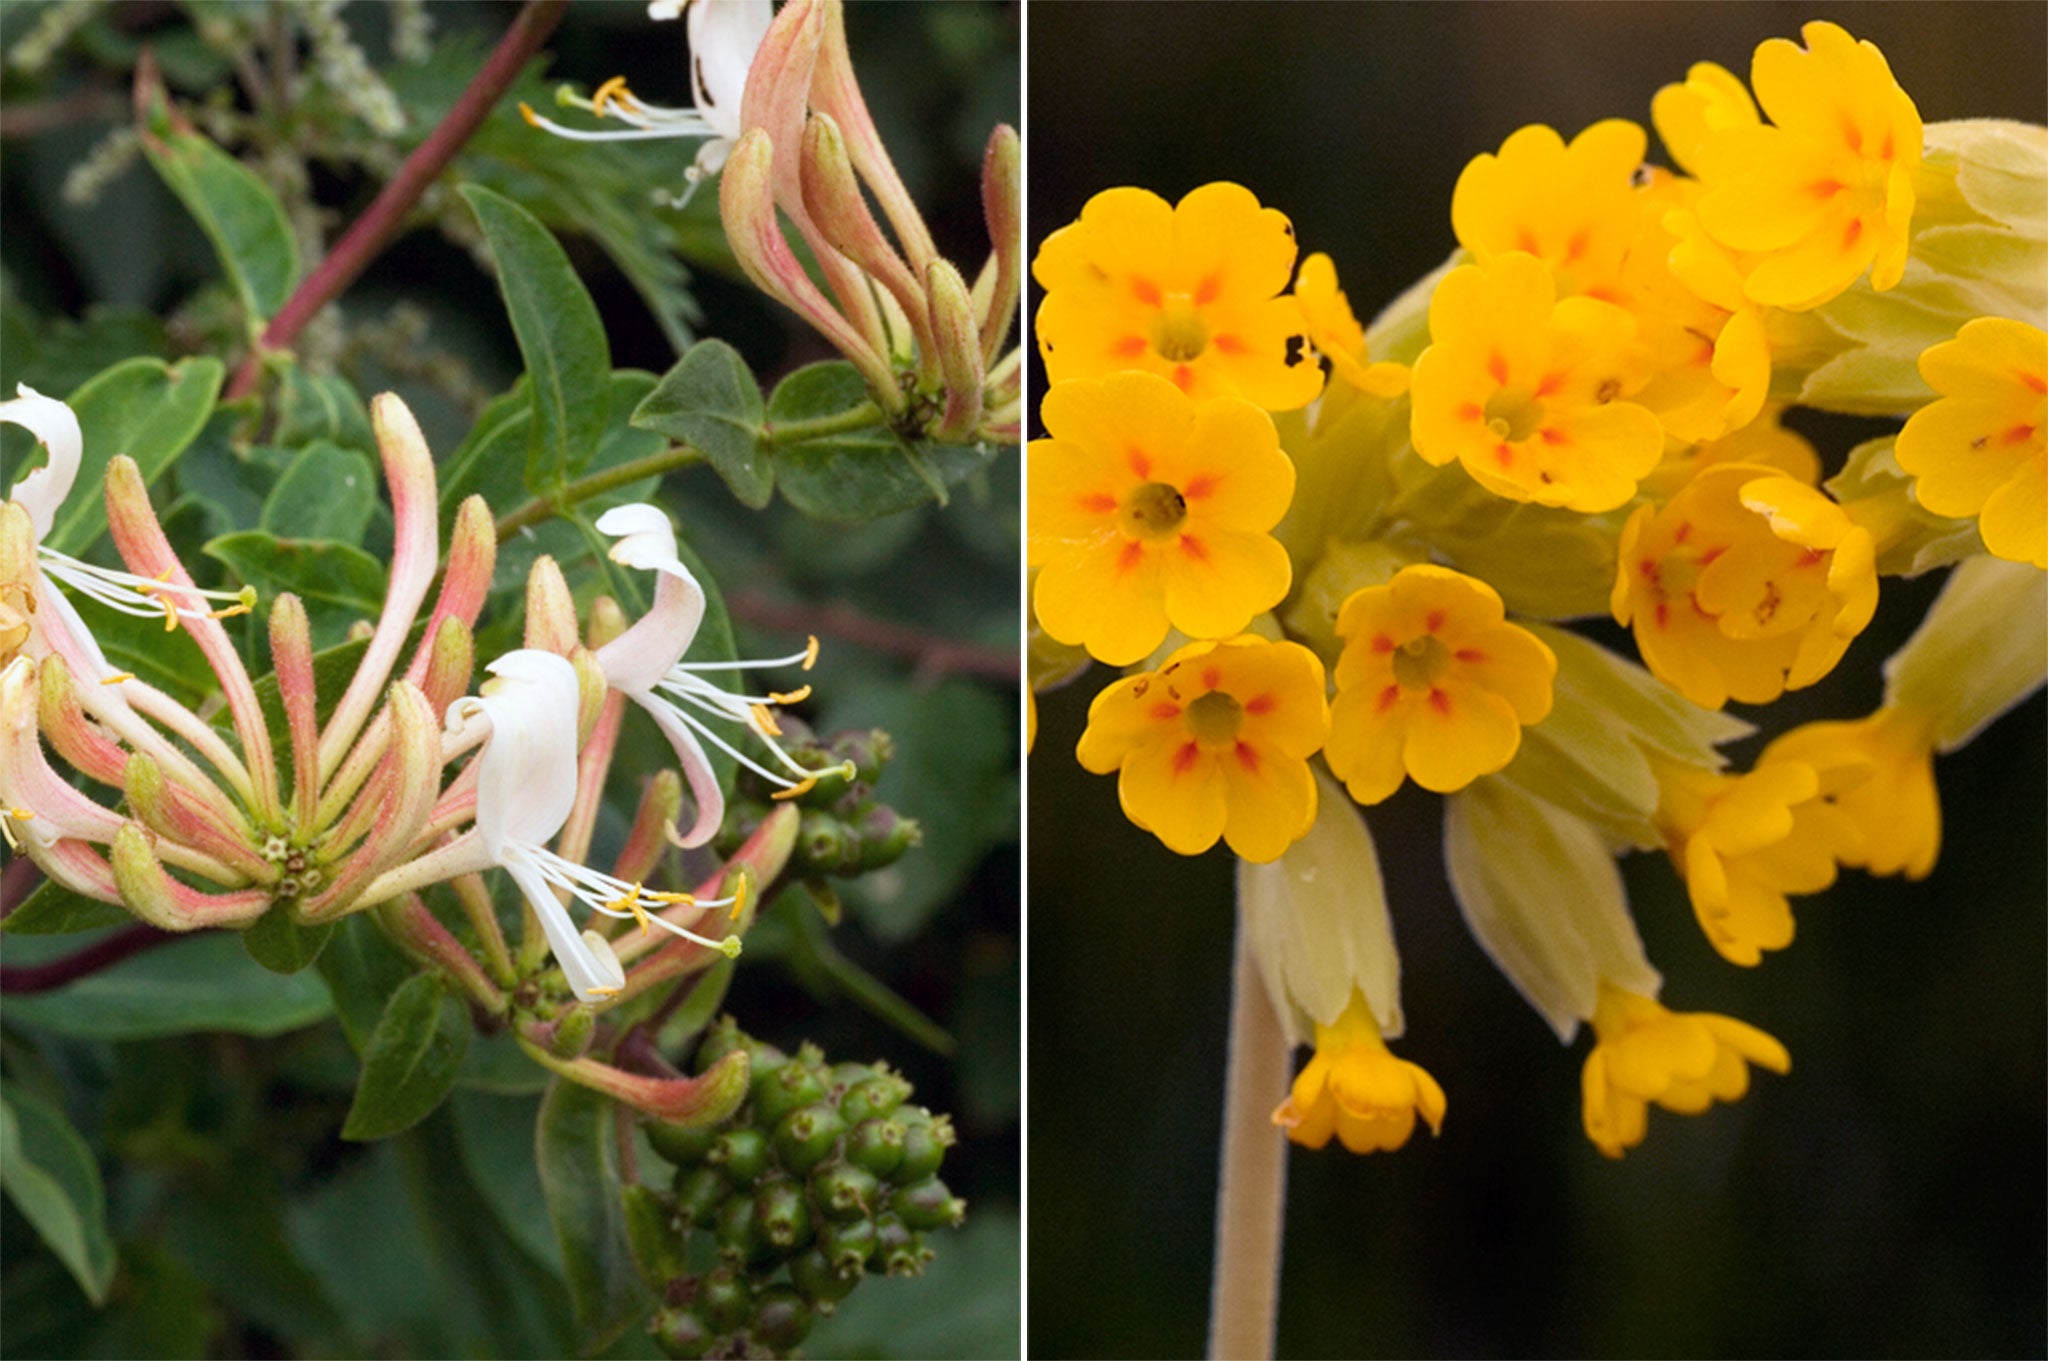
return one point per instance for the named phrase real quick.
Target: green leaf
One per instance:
(579, 1175)
(53, 910)
(49, 1173)
(283, 946)
(204, 983)
(698, 1009)
(495, 1136)
(560, 336)
(711, 402)
(327, 492)
(311, 406)
(337, 583)
(362, 969)
(238, 213)
(859, 473)
(411, 1060)
(144, 408)
(657, 1247)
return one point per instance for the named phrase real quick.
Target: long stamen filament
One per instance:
(616, 898)
(143, 597)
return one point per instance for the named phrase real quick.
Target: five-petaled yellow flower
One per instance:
(1571, 206)
(1827, 192)
(1215, 744)
(1191, 292)
(1148, 509)
(1982, 449)
(1433, 684)
(1355, 1089)
(1745, 585)
(1683, 1061)
(1530, 393)
(1889, 794)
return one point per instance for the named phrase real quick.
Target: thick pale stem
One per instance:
(1251, 1192)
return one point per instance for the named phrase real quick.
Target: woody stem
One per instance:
(1251, 1190)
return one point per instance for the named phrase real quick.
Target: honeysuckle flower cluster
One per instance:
(785, 127)
(411, 781)
(1579, 417)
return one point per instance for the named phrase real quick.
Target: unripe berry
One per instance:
(807, 1137)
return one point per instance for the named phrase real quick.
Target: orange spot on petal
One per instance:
(1230, 344)
(1127, 561)
(1433, 621)
(1440, 702)
(1128, 347)
(1139, 461)
(1471, 411)
(1389, 697)
(2020, 434)
(1183, 377)
(1471, 656)
(1198, 486)
(1184, 759)
(1165, 709)
(1192, 549)
(1497, 367)
(1260, 704)
(1248, 757)
(2034, 382)
(1212, 676)
(1851, 233)
(1099, 502)
(1145, 291)
(1206, 291)
(1382, 643)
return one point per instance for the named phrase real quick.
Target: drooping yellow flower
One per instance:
(1572, 207)
(1744, 842)
(1357, 1090)
(1433, 684)
(1711, 100)
(1215, 744)
(1826, 190)
(1745, 585)
(1334, 330)
(1683, 1061)
(1982, 448)
(1530, 393)
(1148, 509)
(1891, 798)
(1187, 291)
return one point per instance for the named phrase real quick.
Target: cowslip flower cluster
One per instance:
(1581, 416)
(785, 127)
(410, 781)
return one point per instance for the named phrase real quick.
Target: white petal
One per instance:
(640, 656)
(527, 783)
(665, 9)
(56, 428)
(704, 790)
(724, 35)
(588, 972)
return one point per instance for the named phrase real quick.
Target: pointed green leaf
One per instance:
(53, 910)
(144, 408)
(283, 946)
(560, 336)
(362, 970)
(238, 213)
(711, 402)
(579, 1174)
(860, 473)
(327, 492)
(411, 1060)
(338, 584)
(49, 1173)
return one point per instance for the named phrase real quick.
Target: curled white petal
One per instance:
(526, 783)
(724, 36)
(55, 427)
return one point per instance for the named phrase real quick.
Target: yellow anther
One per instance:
(14, 815)
(164, 599)
(811, 652)
(674, 899)
(764, 721)
(797, 790)
(610, 92)
(604, 992)
(117, 678)
(526, 112)
(631, 902)
(739, 897)
(790, 696)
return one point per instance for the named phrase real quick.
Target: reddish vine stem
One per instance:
(101, 954)
(371, 232)
(932, 655)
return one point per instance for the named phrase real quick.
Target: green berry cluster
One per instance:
(844, 830)
(823, 1176)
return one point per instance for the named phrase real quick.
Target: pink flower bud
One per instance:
(151, 894)
(550, 609)
(959, 349)
(1002, 206)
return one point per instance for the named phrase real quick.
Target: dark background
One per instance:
(1885, 1199)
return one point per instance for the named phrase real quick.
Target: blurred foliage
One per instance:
(176, 1179)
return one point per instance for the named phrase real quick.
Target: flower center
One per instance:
(1214, 718)
(1421, 662)
(1178, 332)
(1513, 414)
(1154, 511)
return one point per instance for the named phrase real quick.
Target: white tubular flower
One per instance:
(526, 785)
(40, 493)
(645, 664)
(724, 35)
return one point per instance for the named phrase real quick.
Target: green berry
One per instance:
(726, 1299)
(807, 1137)
(780, 1090)
(683, 1147)
(875, 1099)
(782, 1320)
(826, 845)
(784, 1216)
(739, 1232)
(924, 1148)
(928, 1204)
(742, 1154)
(869, 751)
(822, 1283)
(884, 836)
(699, 1193)
(876, 1145)
(845, 1191)
(848, 1246)
(681, 1333)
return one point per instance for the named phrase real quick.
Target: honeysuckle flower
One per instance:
(724, 35)
(1334, 331)
(1357, 1090)
(1683, 1061)
(1215, 743)
(1189, 291)
(1571, 206)
(645, 664)
(1825, 191)
(1981, 449)
(1889, 797)
(1531, 394)
(1150, 510)
(1433, 684)
(526, 784)
(1745, 585)
(1745, 842)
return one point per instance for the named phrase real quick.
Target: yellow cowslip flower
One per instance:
(1433, 684)
(1215, 743)
(1712, 99)
(1982, 448)
(1186, 291)
(1334, 330)
(1744, 842)
(1684, 1061)
(1572, 207)
(1891, 800)
(1355, 1089)
(1764, 442)
(1149, 509)
(1530, 393)
(1745, 585)
(1827, 192)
